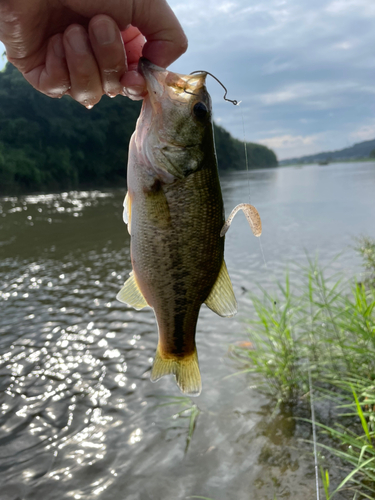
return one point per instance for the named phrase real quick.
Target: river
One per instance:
(80, 418)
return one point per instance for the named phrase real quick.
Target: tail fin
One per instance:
(186, 371)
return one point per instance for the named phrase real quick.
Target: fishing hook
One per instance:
(187, 92)
(233, 101)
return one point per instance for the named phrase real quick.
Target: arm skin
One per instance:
(87, 48)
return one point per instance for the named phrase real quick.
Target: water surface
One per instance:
(79, 416)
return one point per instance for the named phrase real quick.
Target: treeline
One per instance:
(231, 154)
(359, 151)
(51, 144)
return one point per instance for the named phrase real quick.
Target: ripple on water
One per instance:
(79, 416)
(65, 348)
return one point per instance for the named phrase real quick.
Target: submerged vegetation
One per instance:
(187, 412)
(51, 144)
(324, 326)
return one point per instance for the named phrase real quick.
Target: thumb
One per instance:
(166, 40)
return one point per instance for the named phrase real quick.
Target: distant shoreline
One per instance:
(316, 162)
(119, 184)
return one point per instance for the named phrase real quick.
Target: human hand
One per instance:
(87, 48)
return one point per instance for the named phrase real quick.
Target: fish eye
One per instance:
(200, 110)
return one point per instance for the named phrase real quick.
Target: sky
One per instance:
(304, 70)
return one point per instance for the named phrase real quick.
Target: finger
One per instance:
(86, 84)
(166, 40)
(133, 83)
(51, 78)
(108, 47)
(134, 42)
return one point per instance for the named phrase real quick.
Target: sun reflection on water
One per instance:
(64, 354)
(135, 436)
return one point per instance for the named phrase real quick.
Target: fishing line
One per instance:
(314, 436)
(236, 103)
(248, 179)
(246, 158)
(264, 258)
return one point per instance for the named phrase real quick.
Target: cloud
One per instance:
(345, 45)
(226, 7)
(323, 94)
(345, 7)
(277, 65)
(364, 133)
(191, 13)
(287, 145)
(288, 141)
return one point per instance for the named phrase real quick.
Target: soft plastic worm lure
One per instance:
(252, 217)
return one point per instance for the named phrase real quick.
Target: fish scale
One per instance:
(182, 263)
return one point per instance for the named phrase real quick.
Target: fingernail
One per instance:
(135, 92)
(78, 41)
(58, 47)
(104, 32)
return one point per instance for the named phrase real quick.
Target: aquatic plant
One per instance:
(186, 410)
(354, 441)
(325, 326)
(202, 498)
(275, 346)
(366, 248)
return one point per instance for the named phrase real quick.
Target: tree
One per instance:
(50, 144)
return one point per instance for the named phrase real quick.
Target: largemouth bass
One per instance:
(174, 212)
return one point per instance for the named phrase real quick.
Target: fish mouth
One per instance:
(161, 81)
(153, 75)
(145, 67)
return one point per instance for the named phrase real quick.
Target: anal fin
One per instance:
(221, 299)
(186, 371)
(131, 294)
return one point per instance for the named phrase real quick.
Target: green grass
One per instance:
(187, 412)
(366, 248)
(355, 440)
(277, 346)
(325, 325)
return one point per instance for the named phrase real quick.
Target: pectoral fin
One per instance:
(127, 214)
(157, 208)
(221, 299)
(131, 294)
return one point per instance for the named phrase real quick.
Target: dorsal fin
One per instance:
(131, 294)
(221, 299)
